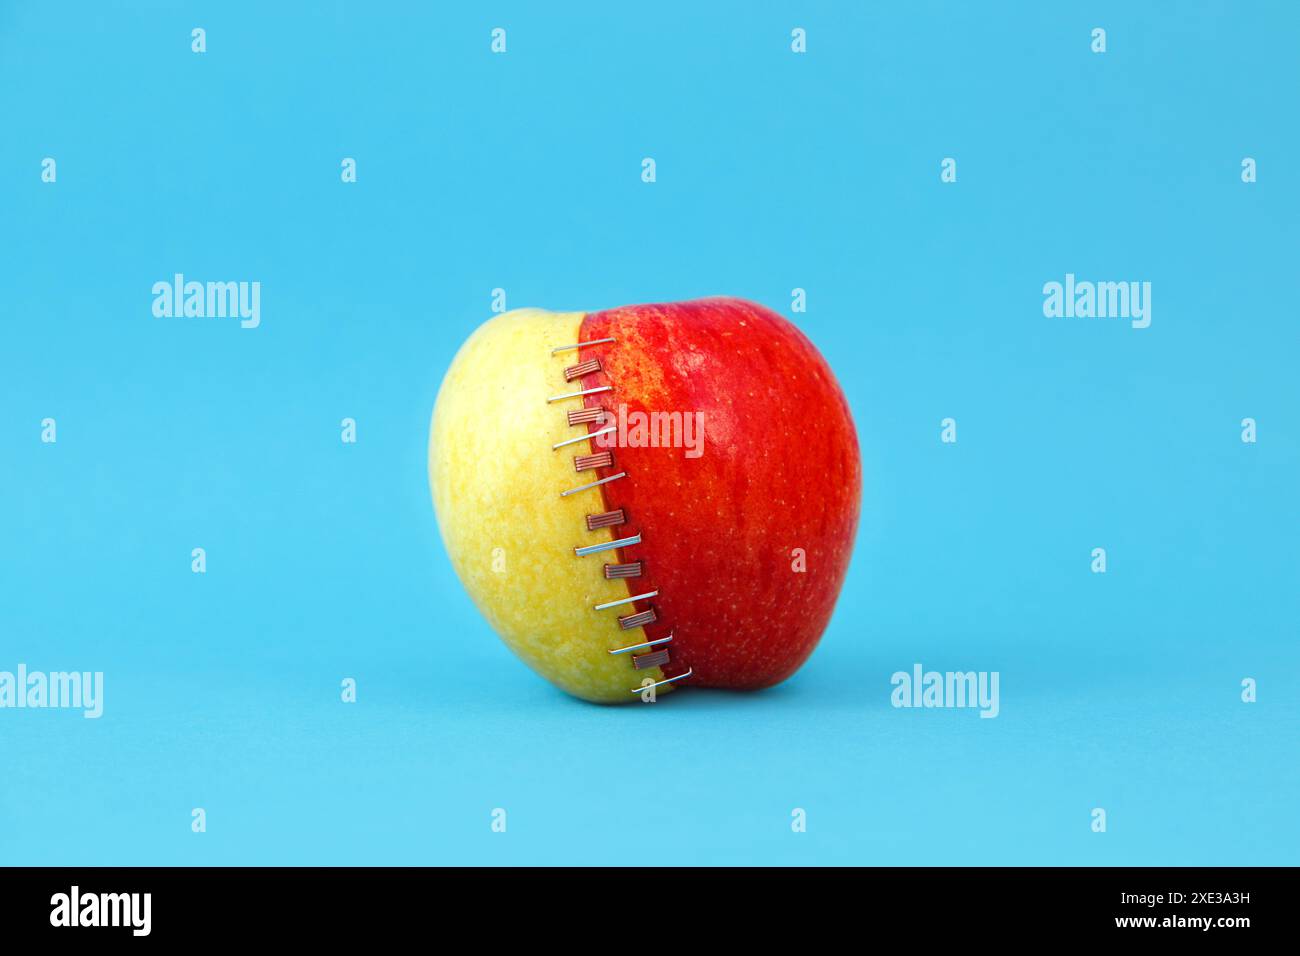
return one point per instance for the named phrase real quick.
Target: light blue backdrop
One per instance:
(775, 171)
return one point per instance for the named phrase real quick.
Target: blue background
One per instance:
(775, 171)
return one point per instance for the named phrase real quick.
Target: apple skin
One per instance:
(779, 470)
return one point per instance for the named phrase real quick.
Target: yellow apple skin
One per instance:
(496, 484)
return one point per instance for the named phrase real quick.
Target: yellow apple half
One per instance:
(496, 484)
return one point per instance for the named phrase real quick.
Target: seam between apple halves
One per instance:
(598, 466)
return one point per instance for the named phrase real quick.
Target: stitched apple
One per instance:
(647, 497)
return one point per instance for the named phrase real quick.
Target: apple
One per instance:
(649, 496)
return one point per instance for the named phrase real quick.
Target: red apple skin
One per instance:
(779, 471)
